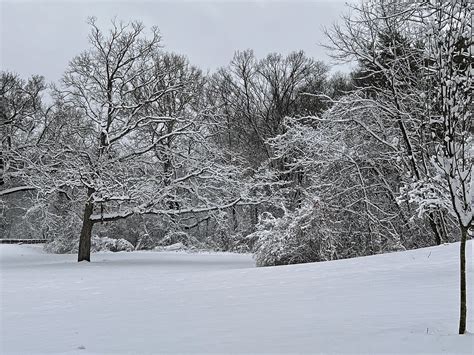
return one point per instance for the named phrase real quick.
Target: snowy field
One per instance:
(150, 302)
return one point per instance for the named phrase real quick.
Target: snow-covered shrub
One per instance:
(123, 245)
(297, 237)
(175, 237)
(109, 244)
(102, 244)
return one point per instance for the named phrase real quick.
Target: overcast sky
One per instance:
(41, 37)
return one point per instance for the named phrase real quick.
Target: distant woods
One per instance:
(137, 133)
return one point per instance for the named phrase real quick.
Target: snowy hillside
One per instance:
(146, 302)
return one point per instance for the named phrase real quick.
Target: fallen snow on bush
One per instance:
(158, 302)
(109, 244)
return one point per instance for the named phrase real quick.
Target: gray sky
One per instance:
(41, 37)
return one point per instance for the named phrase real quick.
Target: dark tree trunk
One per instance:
(435, 228)
(463, 309)
(235, 222)
(86, 231)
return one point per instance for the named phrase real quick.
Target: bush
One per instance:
(175, 237)
(123, 245)
(109, 244)
(296, 237)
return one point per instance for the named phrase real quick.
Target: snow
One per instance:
(159, 302)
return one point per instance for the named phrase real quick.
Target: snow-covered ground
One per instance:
(150, 302)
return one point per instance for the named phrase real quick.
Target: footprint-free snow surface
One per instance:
(154, 303)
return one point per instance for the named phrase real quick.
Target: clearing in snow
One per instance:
(155, 302)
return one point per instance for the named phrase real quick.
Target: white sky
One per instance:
(41, 37)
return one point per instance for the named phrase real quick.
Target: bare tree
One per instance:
(382, 37)
(416, 75)
(21, 113)
(253, 97)
(129, 134)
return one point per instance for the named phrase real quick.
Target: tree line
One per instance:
(270, 155)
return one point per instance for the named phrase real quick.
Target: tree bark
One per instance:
(463, 308)
(86, 231)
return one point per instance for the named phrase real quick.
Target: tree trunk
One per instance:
(86, 231)
(235, 222)
(463, 310)
(434, 227)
